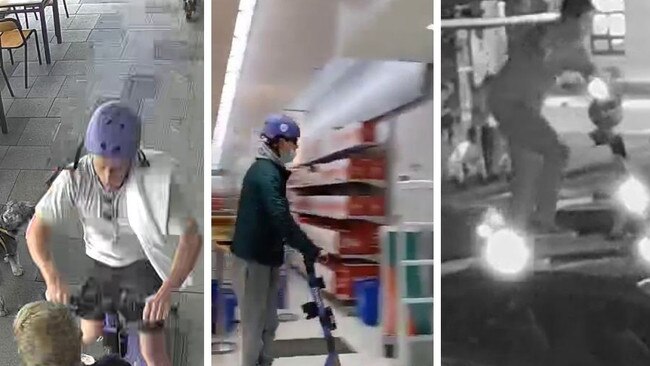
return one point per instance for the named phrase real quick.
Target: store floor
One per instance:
(364, 340)
(104, 42)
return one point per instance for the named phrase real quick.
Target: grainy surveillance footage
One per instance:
(545, 255)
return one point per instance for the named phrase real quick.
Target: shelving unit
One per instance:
(407, 275)
(223, 222)
(338, 196)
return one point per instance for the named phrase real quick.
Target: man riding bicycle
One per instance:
(128, 203)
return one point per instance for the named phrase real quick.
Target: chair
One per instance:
(13, 36)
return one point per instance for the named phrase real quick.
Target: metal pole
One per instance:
(473, 23)
(284, 315)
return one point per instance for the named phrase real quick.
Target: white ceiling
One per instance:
(224, 13)
(291, 41)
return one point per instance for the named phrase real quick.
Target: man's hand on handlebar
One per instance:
(158, 306)
(58, 291)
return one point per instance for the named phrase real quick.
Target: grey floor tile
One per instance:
(79, 51)
(98, 9)
(30, 185)
(64, 106)
(18, 86)
(31, 107)
(16, 126)
(7, 102)
(39, 132)
(72, 9)
(58, 51)
(70, 68)
(46, 87)
(73, 87)
(33, 69)
(7, 180)
(83, 21)
(72, 35)
(110, 36)
(107, 21)
(26, 157)
(94, 51)
(3, 151)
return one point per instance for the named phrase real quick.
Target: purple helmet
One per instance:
(113, 132)
(280, 126)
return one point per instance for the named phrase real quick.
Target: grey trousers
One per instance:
(256, 287)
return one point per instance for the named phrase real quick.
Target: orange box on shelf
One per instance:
(358, 238)
(374, 206)
(376, 169)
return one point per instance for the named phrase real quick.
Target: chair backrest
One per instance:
(9, 24)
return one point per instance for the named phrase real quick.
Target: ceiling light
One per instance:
(233, 70)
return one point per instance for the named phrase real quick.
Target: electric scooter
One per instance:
(324, 313)
(122, 309)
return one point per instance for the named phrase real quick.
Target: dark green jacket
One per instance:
(264, 222)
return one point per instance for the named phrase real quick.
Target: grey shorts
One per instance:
(139, 278)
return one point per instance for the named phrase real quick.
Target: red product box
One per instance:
(345, 273)
(376, 169)
(374, 206)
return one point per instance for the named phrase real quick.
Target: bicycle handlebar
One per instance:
(129, 305)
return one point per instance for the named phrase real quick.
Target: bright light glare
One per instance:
(634, 196)
(233, 70)
(598, 89)
(506, 252)
(643, 247)
(430, 27)
(483, 231)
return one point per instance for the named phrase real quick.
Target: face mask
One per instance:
(287, 157)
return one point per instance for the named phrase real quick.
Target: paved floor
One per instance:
(365, 340)
(140, 50)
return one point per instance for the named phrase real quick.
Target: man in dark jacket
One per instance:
(264, 225)
(517, 95)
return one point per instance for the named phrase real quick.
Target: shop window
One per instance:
(608, 32)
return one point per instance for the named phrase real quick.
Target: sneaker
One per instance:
(87, 359)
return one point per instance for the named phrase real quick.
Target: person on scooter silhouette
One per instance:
(128, 203)
(516, 97)
(263, 227)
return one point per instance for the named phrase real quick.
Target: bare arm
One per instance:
(186, 256)
(55, 206)
(38, 243)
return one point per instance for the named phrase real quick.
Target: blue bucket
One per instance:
(366, 293)
(215, 305)
(230, 305)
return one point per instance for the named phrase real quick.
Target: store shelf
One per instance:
(367, 148)
(417, 262)
(368, 208)
(354, 138)
(374, 219)
(353, 241)
(371, 182)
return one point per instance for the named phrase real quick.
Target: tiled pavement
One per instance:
(106, 44)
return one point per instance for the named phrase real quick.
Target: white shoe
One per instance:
(87, 359)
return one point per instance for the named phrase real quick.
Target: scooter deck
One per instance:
(574, 245)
